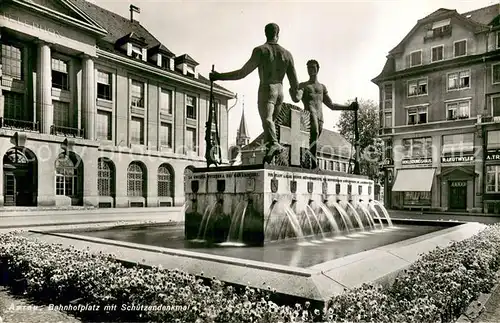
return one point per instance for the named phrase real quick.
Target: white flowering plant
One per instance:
(436, 288)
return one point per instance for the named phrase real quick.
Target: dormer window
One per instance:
(136, 52)
(165, 62)
(190, 71)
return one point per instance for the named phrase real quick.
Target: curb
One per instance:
(477, 307)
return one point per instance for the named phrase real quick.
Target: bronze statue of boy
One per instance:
(314, 94)
(273, 63)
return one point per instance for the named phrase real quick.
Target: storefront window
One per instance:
(417, 198)
(417, 147)
(494, 139)
(458, 144)
(493, 179)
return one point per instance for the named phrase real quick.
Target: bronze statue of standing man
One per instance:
(273, 62)
(314, 94)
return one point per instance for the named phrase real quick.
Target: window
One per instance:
(61, 114)
(166, 135)
(460, 48)
(66, 176)
(103, 85)
(165, 101)
(388, 149)
(60, 78)
(337, 166)
(104, 178)
(458, 110)
(165, 181)
(136, 52)
(417, 147)
(495, 106)
(437, 53)
(190, 70)
(417, 87)
(498, 39)
(137, 131)
(417, 198)
(416, 58)
(331, 165)
(493, 179)
(12, 61)
(191, 141)
(416, 115)
(495, 73)
(493, 139)
(13, 105)
(191, 107)
(135, 180)
(165, 62)
(387, 96)
(137, 94)
(459, 80)
(103, 126)
(387, 120)
(344, 167)
(458, 143)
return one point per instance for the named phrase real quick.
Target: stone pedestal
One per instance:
(256, 204)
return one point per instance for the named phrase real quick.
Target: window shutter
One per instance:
(408, 61)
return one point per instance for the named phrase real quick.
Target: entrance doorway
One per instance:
(20, 177)
(458, 195)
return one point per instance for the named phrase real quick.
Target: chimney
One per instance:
(135, 13)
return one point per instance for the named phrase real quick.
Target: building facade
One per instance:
(440, 113)
(95, 111)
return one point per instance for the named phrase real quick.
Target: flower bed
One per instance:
(436, 288)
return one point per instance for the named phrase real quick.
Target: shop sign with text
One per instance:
(457, 159)
(416, 161)
(493, 155)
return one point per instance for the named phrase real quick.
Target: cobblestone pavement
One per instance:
(20, 310)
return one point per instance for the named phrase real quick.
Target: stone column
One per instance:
(88, 97)
(1, 94)
(45, 109)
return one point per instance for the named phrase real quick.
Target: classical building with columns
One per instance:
(95, 111)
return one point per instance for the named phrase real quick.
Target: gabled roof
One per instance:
(185, 58)
(437, 15)
(160, 48)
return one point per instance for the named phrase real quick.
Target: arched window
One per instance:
(165, 181)
(135, 180)
(104, 178)
(66, 176)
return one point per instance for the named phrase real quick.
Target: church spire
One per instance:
(242, 137)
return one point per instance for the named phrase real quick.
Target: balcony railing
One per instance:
(19, 124)
(66, 131)
(438, 33)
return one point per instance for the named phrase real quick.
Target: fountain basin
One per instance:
(253, 204)
(318, 281)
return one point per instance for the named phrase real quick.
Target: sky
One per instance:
(349, 39)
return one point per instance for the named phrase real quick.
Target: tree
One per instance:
(371, 146)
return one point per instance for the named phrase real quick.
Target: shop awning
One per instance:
(414, 180)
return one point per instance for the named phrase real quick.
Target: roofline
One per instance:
(70, 20)
(443, 65)
(145, 67)
(426, 19)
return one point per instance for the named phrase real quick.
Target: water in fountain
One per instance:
(356, 216)
(330, 217)
(367, 215)
(311, 211)
(294, 222)
(271, 207)
(237, 218)
(204, 221)
(372, 208)
(384, 210)
(344, 216)
(207, 221)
